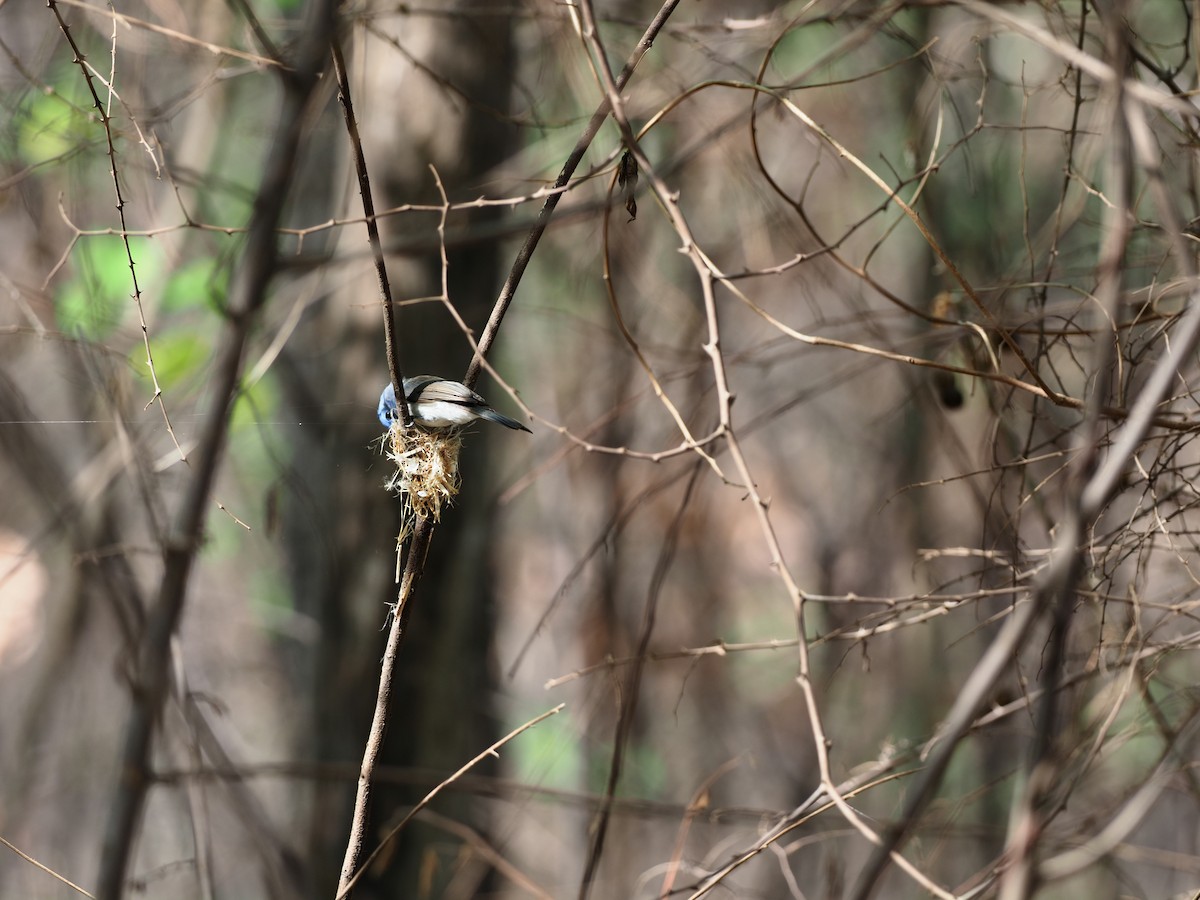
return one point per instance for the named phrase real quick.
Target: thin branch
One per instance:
(108, 12)
(391, 332)
(419, 543)
(345, 889)
(1057, 584)
(525, 254)
(707, 274)
(490, 854)
(1131, 813)
(90, 76)
(49, 871)
(414, 567)
(1098, 69)
(1029, 816)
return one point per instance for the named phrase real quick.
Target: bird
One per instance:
(439, 403)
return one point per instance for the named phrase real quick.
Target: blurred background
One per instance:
(602, 563)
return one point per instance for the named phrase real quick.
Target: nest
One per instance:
(426, 476)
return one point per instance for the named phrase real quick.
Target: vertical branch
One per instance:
(180, 545)
(390, 331)
(413, 567)
(419, 544)
(492, 751)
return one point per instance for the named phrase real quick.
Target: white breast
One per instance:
(440, 414)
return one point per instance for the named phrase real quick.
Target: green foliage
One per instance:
(1134, 744)
(254, 453)
(49, 125)
(276, 7)
(802, 46)
(202, 282)
(553, 756)
(254, 404)
(99, 296)
(761, 675)
(270, 600)
(549, 754)
(643, 772)
(257, 444)
(799, 48)
(1162, 27)
(178, 357)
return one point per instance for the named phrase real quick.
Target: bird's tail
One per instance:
(499, 418)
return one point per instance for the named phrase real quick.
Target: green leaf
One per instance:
(81, 312)
(100, 295)
(179, 357)
(196, 285)
(254, 404)
(549, 754)
(49, 127)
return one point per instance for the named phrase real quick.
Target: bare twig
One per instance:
(708, 274)
(33, 862)
(419, 544)
(414, 566)
(1056, 586)
(1028, 817)
(344, 890)
(1098, 69)
(90, 77)
(108, 12)
(1131, 813)
(700, 800)
(391, 333)
(525, 254)
(490, 854)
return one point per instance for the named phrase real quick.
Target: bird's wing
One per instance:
(445, 391)
(415, 387)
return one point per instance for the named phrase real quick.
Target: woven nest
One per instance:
(426, 476)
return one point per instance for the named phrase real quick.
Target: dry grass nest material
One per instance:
(426, 476)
